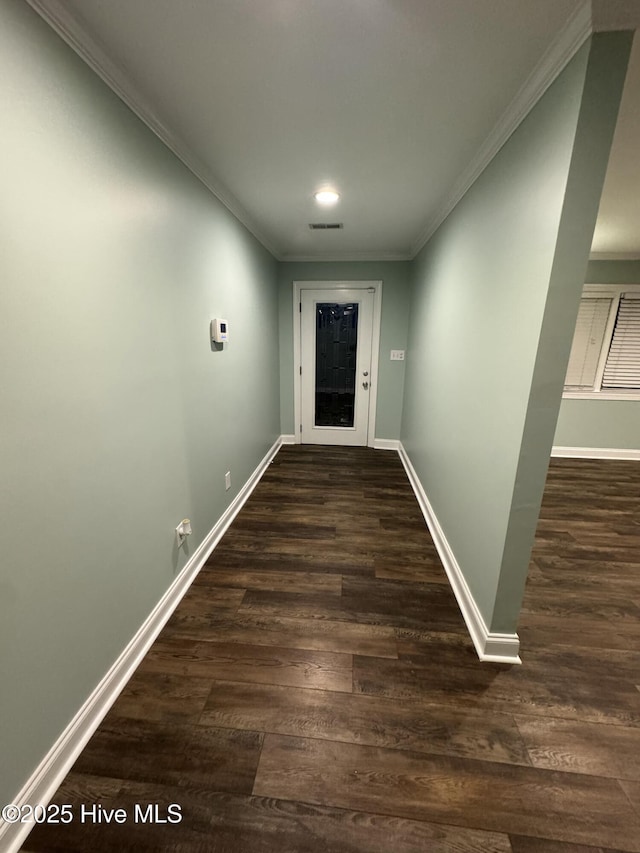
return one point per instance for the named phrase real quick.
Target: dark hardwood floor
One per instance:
(317, 692)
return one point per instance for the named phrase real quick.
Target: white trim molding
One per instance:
(287, 439)
(595, 453)
(46, 778)
(379, 257)
(612, 396)
(490, 646)
(386, 444)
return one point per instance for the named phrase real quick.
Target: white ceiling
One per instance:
(398, 104)
(618, 228)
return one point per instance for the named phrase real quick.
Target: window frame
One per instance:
(615, 293)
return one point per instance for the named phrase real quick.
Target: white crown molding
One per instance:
(490, 646)
(55, 765)
(614, 256)
(346, 257)
(94, 54)
(595, 453)
(564, 47)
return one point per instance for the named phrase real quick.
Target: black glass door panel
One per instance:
(336, 347)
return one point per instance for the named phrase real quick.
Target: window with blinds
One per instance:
(605, 353)
(622, 369)
(588, 339)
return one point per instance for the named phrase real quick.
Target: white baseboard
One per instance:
(595, 453)
(386, 444)
(56, 764)
(502, 648)
(287, 439)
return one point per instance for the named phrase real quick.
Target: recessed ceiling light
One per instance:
(326, 197)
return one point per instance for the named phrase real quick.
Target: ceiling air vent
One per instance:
(325, 226)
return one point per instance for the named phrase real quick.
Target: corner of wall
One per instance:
(490, 646)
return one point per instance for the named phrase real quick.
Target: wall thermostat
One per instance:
(219, 331)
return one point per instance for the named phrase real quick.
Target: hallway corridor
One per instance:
(316, 691)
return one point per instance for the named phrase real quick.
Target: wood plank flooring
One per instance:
(317, 692)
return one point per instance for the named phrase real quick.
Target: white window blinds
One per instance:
(622, 369)
(587, 343)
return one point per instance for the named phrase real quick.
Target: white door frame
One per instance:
(298, 287)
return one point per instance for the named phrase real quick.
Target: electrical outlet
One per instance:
(227, 480)
(183, 530)
(397, 355)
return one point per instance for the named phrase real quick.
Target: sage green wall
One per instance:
(118, 418)
(494, 300)
(393, 331)
(602, 423)
(613, 424)
(613, 272)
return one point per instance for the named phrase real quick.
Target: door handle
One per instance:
(365, 385)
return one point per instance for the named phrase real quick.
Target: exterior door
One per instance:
(336, 336)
